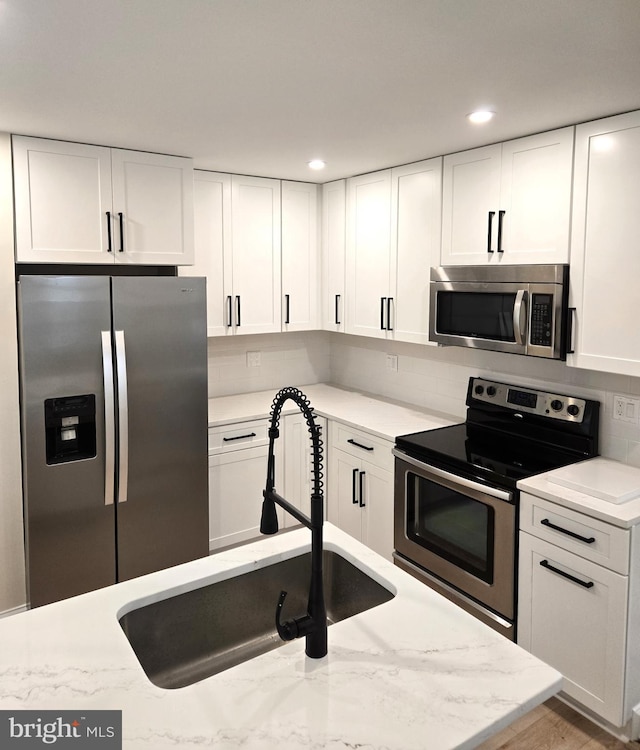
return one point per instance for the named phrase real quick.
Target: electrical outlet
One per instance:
(254, 359)
(392, 362)
(625, 408)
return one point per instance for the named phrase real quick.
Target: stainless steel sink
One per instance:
(183, 639)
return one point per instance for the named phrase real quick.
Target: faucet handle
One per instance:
(286, 630)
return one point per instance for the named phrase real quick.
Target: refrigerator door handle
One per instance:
(109, 418)
(123, 418)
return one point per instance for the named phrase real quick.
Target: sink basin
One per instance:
(185, 638)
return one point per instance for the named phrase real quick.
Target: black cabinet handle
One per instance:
(337, 303)
(489, 231)
(361, 489)
(239, 437)
(229, 311)
(109, 247)
(500, 220)
(571, 311)
(121, 220)
(364, 447)
(354, 481)
(548, 566)
(389, 303)
(382, 301)
(238, 310)
(587, 540)
(287, 308)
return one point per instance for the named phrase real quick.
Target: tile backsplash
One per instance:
(244, 364)
(428, 376)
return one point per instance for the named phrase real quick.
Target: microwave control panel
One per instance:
(541, 332)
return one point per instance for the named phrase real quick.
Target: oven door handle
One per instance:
(454, 478)
(520, 317)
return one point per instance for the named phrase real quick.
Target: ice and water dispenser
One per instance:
(70, 428)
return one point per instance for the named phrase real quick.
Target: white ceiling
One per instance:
(262, 86)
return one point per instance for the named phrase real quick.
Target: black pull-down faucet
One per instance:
(313, 625)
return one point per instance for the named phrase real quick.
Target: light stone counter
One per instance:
(625, 514)
(386, 419)
(416, 672)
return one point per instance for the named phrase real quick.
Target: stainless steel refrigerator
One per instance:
(113, 374)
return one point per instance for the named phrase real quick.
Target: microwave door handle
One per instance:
(520, 317)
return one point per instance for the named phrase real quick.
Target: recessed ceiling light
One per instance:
(480, 116)
(316, 164)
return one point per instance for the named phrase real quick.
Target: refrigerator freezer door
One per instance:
(69, 521)
(164, 520)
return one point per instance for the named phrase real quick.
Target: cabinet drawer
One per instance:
(362, 445)
(588, 537)
(238, 436)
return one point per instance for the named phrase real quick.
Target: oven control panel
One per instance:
(519, 399)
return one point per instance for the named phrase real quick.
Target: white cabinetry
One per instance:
(510, 202)
(605, 264)
(300, 262)
(368, 250)
(296, 487)
(255, 256)
(578, 600)
(393, 238)
(237, 475)
(360, 487)
(334, 217)
(77, 203)
(212, 241)
(237, 242)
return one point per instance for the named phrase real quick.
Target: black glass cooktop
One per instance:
(479, 453)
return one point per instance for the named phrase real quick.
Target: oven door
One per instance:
(480, 315)
(460, 531)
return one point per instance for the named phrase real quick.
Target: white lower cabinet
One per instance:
(577, 603)
(360, 487)
(237, 474)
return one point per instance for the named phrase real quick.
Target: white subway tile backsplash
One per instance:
(436, 378)
(429, 377)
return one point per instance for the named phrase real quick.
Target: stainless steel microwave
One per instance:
(516, 309)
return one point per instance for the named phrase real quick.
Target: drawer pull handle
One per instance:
(239, 437)
(364, 447)
(585, 539)
(548, 566)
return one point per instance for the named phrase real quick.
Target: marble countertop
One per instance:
(414, 672)
(383, 418)
(624, 515)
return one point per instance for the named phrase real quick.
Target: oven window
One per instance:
(451, 525)
(481, 315)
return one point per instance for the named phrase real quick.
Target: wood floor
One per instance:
(555, 726)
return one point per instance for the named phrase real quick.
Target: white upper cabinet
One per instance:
(62, 202)
(255, 255)
(300, 261)
(77, 203)
(416, 200)
(368, 254)
(212, 242)
(334, 217)
(605, 263)
(153, 206)
(509, 203)
(393, 239)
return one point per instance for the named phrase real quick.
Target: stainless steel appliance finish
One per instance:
(188, 637)
(516, 309)
(114, 425)
(456, 499)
